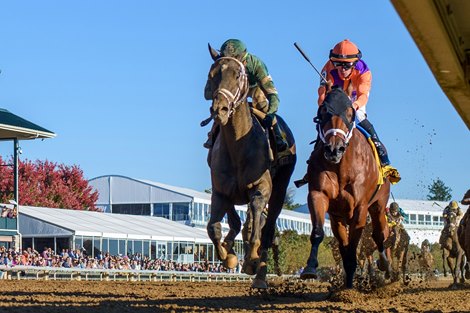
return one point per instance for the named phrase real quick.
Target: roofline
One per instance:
(146, 183)
(33, 134)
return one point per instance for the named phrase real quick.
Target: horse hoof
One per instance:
(259, 284)
(222, 253)
(309, 273)
(248, 268)
(231, 261)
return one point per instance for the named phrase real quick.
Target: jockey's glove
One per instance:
(268, 120)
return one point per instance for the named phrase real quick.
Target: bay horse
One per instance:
(452, 252)
(464, 232)
(343, 177)
(242, 171)
(398, 243)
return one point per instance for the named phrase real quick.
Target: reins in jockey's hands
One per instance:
(268, 120)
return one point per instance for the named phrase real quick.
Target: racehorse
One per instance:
(344, 183)
(452, 252)
(464, 233)
(398, 243)
(242, 171)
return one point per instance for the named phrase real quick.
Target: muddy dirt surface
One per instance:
(290, 296)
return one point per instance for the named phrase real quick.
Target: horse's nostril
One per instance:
(341, 149)
(224, 110)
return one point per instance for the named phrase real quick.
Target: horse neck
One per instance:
(239, 125)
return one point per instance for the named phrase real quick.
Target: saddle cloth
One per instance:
(384, 171)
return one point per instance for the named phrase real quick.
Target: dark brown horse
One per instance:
(242, 171)
(464, 233)
(452, 252)
(343, 178)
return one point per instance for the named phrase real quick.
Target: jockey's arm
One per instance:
(322, 89)
(264, 80)
(362, 84)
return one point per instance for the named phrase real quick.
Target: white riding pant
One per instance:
(361, 114)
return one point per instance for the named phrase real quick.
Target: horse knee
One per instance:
(214, 230)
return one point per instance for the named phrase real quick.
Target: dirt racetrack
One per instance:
(108, 297)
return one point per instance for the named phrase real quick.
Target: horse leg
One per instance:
(234, 223)
(453, 266)
(379, 234)
(444, 260)
(280, 182)
(461, 266)
(247, 230)
(349, 242)
(214, 227)
(318, 205)
(257, 204)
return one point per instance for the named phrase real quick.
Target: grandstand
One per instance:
(125, 195)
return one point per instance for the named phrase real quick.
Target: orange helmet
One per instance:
(345, 51)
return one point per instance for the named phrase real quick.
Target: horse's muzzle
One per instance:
(334, 153)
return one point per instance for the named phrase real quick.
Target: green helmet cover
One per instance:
(233, 48)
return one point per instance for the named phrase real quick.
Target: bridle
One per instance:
(335, 131)
(235, 99)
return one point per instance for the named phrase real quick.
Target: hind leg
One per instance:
(280, 183)
(379, 234)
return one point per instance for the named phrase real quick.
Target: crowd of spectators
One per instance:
(79, 259)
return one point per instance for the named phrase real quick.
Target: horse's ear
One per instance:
(214, 54)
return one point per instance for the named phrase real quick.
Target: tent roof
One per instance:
(89, 223)
(12, 126)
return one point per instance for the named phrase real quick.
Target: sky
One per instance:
(121, 84)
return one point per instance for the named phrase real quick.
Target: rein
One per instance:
(234, 100)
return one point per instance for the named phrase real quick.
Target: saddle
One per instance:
(278, 158)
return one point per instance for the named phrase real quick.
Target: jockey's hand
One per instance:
(268, 120)
(328, 85)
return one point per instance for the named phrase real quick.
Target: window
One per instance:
(180, 212)
(420, 219)
(133, 208)
(113, 247)
(161, 210)
(412, 218)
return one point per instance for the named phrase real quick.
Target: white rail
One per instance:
(60, 273)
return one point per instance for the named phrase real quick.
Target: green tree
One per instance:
(289, 200)
(438, 191)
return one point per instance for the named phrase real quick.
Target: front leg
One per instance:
(214, 227)
(318, 205)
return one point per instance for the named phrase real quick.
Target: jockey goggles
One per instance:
(345, 65)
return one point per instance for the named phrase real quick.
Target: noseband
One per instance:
(235, 99)
(335, 131)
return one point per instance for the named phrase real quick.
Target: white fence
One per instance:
(60, 273)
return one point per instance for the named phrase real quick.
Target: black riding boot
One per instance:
(281, 143)
(381, 150)
(211, 137)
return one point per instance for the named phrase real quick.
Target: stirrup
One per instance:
(392, 174)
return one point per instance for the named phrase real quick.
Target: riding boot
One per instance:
(211, 137)
(281, 143)
(381, 150)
